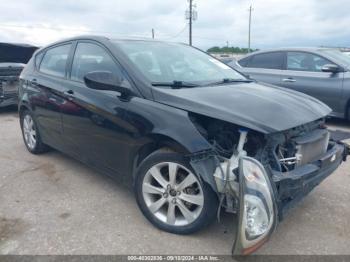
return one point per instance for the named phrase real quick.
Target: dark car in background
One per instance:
(13, 58)
(323, 73)
(192, 133)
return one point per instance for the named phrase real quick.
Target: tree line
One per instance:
(232, 49)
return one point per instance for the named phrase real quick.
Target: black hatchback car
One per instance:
(194, 134)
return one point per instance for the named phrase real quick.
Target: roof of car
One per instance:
(104, 38)
(303, 49)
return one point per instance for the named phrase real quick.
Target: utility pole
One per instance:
(190, 30)
(191, 15)
(250, 22)
(152, 33)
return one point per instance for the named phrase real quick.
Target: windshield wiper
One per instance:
(175, 84)
(230, 80)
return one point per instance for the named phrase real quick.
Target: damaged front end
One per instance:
(13, 58)
(260, 176)
(8, 88)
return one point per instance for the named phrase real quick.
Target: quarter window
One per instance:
(301, 61)
(272, 60)
(38, 59)
(90, 57)
(55, 60)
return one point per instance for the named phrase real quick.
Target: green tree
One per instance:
(232, 49)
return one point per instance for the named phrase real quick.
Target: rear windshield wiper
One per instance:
(230, 80)
(175, 84)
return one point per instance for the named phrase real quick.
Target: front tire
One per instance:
(171, 196)
(30, 132)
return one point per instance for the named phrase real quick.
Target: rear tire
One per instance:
(169, 204)
(30, 133)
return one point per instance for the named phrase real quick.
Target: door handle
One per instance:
(289, 80)
(69, 92)
(34, 82)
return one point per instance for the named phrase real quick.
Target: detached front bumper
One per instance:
(294, 185)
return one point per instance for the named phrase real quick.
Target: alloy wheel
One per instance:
(29, 132)
(173, 194)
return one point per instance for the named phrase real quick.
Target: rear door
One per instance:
(46, 88)
(304, 73)
(264, 67)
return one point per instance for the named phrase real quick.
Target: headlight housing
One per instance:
(257, 217)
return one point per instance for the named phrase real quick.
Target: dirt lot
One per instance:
(51, 204)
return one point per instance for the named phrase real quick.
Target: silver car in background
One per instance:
(319, 72)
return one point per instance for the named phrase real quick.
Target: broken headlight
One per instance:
(256, 219)
(257, 216)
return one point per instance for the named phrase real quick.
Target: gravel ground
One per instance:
(51, 204)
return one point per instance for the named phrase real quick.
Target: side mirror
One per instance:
(330, 68)
(105, 80)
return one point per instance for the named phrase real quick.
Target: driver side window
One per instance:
(301, 61)
(90, 57)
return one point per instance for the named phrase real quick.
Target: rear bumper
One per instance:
(8, 92)
(8, 99)
(294, 185)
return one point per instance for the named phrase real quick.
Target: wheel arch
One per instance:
(156, 142)
(21, 108)
(204, 168)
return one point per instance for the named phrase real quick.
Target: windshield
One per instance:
(337, 56)
(169, 62)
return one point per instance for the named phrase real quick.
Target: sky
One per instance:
(275, 23)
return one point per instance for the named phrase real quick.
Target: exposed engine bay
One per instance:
(283, 151)
(261, 176)
(280, 152)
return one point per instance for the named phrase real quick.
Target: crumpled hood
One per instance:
(257, 106)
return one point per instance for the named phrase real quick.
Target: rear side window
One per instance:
(273, 60)
(90, 57)
(55, 60)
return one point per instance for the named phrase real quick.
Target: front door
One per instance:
(95, 123)
(304, 74)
